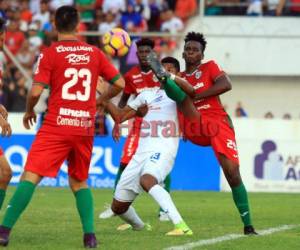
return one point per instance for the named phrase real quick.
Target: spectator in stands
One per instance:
(240, 111)
(35, 41)
(132, 20)
(287, 116)
(274, 7)
(25, 56)
(108, 23)
(18, 95)
(25, 12)
(142, 7)
(86, 10)
(55, 4)
(212, 8)
(185, 9)
(114, 6)
(43, 16)
(255, 8)
(171, 23)
(153, 22)
(269, 115)
(14, 37)
(294, 9)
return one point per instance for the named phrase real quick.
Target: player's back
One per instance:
(71, 69)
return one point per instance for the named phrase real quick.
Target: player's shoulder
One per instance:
(134, 72)
(208, 64)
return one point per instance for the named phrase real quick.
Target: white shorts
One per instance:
(157, 164)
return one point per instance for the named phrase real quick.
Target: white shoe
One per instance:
(107, 213)
(163, 216)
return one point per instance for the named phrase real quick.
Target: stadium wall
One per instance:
(274, 169)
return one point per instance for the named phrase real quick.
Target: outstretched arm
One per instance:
(119, 114)
(221, 85)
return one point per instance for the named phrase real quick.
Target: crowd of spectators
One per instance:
(30, 28)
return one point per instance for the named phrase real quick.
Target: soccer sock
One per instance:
(173, 91)
(131, 217)
(85, 207)
(163, 198)
(18, 203)
(120, 171)
(167, 185)
(2, 196)
(240, 198)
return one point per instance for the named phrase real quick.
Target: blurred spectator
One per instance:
(269, 115)
(114, 6)
(153, 22)
(26, 14)
(211, 7)
(14, 37)
(55, 4)
(142, 7)
(293, 10)
(35, 41)
(171, 4)
(34, 6)
(108, 23)
(274, 7)
(26, 56)
(132, 20)
(287, 116)
(171, 23)
(255, 8)
(43, 16)
(86, 10)
(240, 111)
(185, 9)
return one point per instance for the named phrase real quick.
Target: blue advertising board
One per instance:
(195, 168)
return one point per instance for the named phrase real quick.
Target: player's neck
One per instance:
(189, 69)
(65, 36)
(145, 68)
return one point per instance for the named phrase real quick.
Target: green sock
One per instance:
(241, 201)
(85, 207)
(120, 171)
(2, 196)
(167, 185)
(173, 91)
(18, 203)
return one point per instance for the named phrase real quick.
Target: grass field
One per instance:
(51, 222)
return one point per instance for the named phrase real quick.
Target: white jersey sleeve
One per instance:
(143, 98)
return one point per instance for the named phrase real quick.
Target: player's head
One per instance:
(2, 32)
(66, 19)
(194, 46)
(144, 47)
(171, 64)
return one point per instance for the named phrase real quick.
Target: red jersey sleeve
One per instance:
(215, 70)
(128, 85)
(43, 68)
(107, 69)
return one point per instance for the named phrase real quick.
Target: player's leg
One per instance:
(167, 185)
(79, 159)
(153, 174)
(18, 203)
(239, 192)
(5, 176)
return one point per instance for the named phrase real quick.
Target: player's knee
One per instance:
(147, 182)
(6, 175)
(234, 178)
(119, 207)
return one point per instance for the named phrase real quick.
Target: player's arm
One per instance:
(120, 114)
(3, 112)
(32, 99)
(123, 100)
(221, 85)
(5, 127)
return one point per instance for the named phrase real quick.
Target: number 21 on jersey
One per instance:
(75, 75)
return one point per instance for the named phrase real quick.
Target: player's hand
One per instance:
(142, 110)
(3, 112)
(6, 129)
(116, 133)
(29, 119)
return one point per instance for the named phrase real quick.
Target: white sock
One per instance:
(164, 200)
(132, 218)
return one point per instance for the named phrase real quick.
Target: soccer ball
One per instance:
(116, 42)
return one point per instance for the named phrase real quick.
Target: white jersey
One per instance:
(160, 128)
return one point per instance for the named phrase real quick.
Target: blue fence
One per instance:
(195, 168)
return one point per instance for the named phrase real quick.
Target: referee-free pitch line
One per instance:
(229, 237)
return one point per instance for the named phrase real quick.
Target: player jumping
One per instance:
(71, 69)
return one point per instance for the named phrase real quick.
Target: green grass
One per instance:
(51, 222)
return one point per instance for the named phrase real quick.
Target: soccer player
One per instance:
(137, 79)
(215, 128)
(153, 159)
(5, 170)
(70, 68)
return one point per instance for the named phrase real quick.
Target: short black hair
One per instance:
(145, 42)
(66, 19)
(2, 25)
(173, 61)
(198, 37)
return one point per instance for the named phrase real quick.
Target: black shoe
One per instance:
(4, 236)
(249, 230)
(89, 240)
(157, 67)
